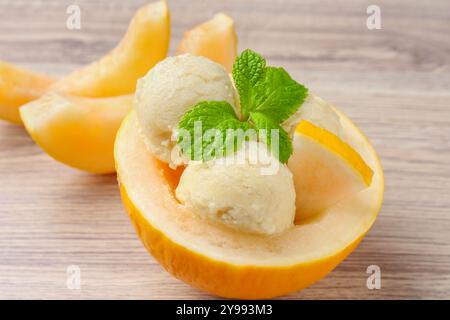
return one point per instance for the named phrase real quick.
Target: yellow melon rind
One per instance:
(337, 146)
(225, 279)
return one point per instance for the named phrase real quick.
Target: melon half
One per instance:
(226, 262)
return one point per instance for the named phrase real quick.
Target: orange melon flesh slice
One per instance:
(215, 39)
(325, 170)
(77, 131)
(17, 87)
(145, 43)
(226, 262)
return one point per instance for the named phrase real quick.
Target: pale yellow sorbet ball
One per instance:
(240, 195)
(171, 89)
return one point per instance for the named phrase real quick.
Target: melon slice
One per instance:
(145, 43)
(224, 261)
(325, 170)
(77, 131)
(215, 39)
(17, 87)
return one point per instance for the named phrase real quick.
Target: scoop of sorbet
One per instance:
(241, 194)
(172, 88)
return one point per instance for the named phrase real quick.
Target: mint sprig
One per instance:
(266, 128)
(248, 69)
(268, 96)
(276, 95)
(212, 121)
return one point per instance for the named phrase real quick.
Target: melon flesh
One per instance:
(145, 44)
(17, 87)
(77, 131)
(215, 39)
(149, 186)
(325, 170)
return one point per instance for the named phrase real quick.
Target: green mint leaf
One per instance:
(208, 130)
(277, 95)
(268, 97)
(266, 128)
(247, 71)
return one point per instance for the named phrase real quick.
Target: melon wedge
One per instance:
(325, 170)
(226, 262)
(77, 131)
(17, 87)
(215, 39)
(145, 43)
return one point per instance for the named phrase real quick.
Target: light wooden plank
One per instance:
(393, 82)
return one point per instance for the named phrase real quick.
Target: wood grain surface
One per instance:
(394, 83)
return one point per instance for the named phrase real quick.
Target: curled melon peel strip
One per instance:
(76, 131)
(17, 87)
(229, 264)
(215, 39)
(145, 44)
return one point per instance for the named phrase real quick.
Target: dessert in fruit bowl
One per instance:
(247, 186)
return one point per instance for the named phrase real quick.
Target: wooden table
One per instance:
(394, 83)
